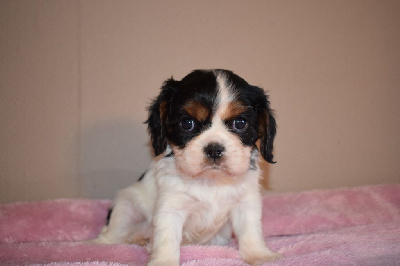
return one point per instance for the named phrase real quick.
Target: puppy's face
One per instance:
(212, 120)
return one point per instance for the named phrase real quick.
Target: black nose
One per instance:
(214, 151)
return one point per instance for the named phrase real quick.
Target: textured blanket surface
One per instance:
(349, 226)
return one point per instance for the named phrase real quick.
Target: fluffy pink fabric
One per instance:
(353, 226)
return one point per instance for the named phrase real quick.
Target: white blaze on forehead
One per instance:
(226, 94)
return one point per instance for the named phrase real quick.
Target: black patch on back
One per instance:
(141, 177)
(109, 215)
(171, 154)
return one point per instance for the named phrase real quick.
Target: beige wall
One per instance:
(76, 77)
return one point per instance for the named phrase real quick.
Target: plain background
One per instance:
(76, 78)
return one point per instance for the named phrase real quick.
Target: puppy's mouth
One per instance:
(215, 167)
(213, 170)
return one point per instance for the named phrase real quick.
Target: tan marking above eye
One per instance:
(233, 110)
(196, 110)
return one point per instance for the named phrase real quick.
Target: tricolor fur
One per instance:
(205, 187)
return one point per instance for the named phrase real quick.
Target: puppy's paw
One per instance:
(258, 258)
(162, 262)
(102, 239)
(98, 240)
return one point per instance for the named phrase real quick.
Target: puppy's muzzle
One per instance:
(214, 152)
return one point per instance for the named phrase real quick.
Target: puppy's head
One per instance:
(212, 120)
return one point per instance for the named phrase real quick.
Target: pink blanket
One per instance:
(352, 226)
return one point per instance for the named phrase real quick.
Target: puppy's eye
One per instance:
(187, 124)
(239, 124)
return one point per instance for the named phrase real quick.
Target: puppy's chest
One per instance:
(206, 216)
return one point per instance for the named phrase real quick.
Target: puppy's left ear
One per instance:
(266, 126)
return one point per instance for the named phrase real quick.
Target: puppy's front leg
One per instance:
(246, 222)
(168, 222)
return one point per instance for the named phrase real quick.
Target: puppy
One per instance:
(206, 185)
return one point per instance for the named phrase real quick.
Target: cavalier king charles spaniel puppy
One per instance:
(205, 187)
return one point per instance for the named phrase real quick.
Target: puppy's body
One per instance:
(206, 185)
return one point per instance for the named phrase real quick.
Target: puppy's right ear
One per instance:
(158, 117)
